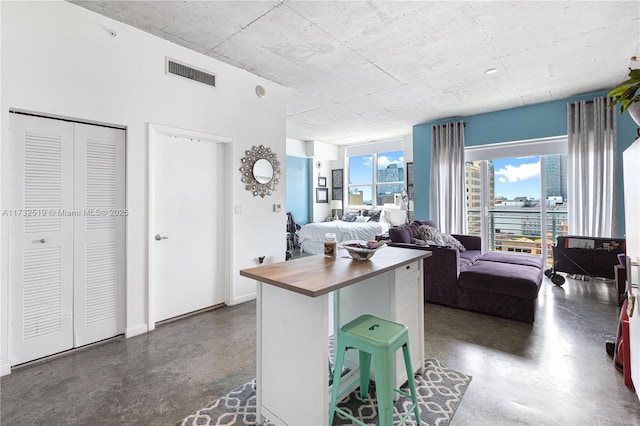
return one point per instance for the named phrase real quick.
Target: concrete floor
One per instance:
(555, 371)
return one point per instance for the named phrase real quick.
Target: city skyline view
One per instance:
(361, 166)
(514, 178)
(389, 168)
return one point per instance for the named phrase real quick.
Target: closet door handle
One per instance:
(42, 241)
(161, 237)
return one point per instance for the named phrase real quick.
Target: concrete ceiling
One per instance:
(359, 71)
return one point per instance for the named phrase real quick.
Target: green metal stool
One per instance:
(378, 339)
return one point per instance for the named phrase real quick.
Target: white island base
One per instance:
(295, 319)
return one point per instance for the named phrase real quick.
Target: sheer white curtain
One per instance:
(447, 204)
(591, 167)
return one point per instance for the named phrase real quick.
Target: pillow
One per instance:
(452, 242)
(350, 218)
(362, 219)
(426, 222)
(429, 233)
(374, 215)
(419, 242)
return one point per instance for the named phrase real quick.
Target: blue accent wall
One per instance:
(298, 184)
(527, 122)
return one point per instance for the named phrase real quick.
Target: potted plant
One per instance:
(627, 94)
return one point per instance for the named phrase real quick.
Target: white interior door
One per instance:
(99, 240)
(188, 237)
(40, 238)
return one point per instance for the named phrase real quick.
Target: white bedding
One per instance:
(311, 235)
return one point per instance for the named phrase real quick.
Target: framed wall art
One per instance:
(322, 195)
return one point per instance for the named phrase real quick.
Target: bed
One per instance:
(311, 235)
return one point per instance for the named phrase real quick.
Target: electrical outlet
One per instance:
(277, 208)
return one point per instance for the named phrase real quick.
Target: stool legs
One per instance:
(411, 380)
(384, 387)
(336, 378)
(365, 368)
(330, 373)
(377, 340)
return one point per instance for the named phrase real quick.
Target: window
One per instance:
(517, 194)
(381, 174)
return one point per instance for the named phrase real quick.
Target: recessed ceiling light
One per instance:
(112, 33)
(491, 71)
(260, 91)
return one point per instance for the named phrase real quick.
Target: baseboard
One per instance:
(136, 331)
(242, 299)
(5, 369)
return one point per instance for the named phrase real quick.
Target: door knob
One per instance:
(42, 240)
(161, 237)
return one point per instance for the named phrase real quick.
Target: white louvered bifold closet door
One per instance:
(67, 236)
(40, 239)
(99, 233)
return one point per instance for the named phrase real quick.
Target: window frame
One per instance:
(374, 184)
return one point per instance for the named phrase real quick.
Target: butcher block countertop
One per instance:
(316, 275)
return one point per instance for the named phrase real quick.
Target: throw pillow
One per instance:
(419, 242)
(350, 218)
(362, 218)
(451, 241)
(374, 215)
(429, 233)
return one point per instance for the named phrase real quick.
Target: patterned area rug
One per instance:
(440, 390)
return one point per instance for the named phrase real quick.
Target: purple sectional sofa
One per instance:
(496, 283)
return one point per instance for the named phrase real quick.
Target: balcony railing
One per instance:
(520, 230)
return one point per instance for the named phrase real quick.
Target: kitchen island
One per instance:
(302, 302)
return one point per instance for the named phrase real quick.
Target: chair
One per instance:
(376, 339)
(292, 236)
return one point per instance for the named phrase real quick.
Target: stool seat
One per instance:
(379, 339)
(374, 332)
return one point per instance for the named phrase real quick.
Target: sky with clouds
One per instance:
(517, 177)
(360, 166)
(361, 170)
(514, 177)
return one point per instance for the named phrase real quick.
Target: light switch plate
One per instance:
(239, 208)
(277, 208)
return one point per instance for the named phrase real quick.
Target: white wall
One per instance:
(323, 154)
(296, 148)
(407, 144)
(57, 59)
(320, 210)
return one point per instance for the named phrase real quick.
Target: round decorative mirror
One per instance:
(260, 171)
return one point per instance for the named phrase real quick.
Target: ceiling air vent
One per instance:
(191, 73)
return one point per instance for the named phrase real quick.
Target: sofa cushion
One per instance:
(503, 278)
(403, 234)
(464, 264)
(471, 255)
(470, 242)
(426, 222)
(514, 259)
